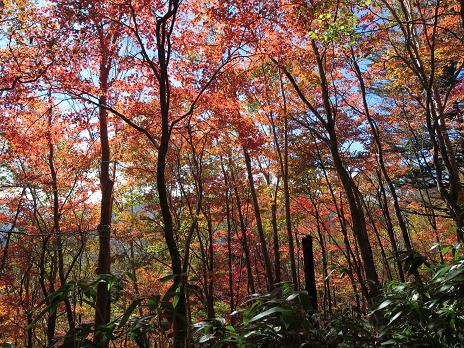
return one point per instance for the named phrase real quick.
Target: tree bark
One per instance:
(283, 162)
(103, 299)
(229, 240)
(56, 223)
(246, 248)
(310, 278)
(259, 224)
(275, 232)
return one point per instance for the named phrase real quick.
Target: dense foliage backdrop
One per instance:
(161, 161)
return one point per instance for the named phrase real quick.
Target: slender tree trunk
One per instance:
(180, 318)
(379, 240)
(56, 222)
(30, 331)
(246, 249)
(180, 321)
(259, 224)
(359, 225)
(443, 153)
(327, 294)
(229, 240)
(381, 161)
(283, 162)
(389, 226)
(356, 211)
(10, 230)
(275, 232)
(51, 320)
(210, 269)
(432, 219)
(103, 298)
(350, 256)
(163, 42)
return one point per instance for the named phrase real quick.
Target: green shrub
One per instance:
(427, 315)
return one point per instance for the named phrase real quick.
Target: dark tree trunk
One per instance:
(380, 158)
(210, 269)
(102, 303)
(377, 236)
(350, 256)
(244, 239)
(357, 215)
(283, 162)
(389, 226)
(180, 317)
(56, 222)
(229, 240)
(310, 277)
(327, 294)
(358, 222)
(30, 332)
(276, 243)
(259, 224)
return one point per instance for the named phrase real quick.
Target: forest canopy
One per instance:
(231, 173)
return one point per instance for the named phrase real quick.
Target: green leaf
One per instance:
(230, 328)
(384, 304)
(287, 318)
(131, 276)
(293, 296)
(206, 338)
(167, 278)
(154, 301)
(268, 313)
(176, 298)
(396, 316)
(446, 249)
(129, 311)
